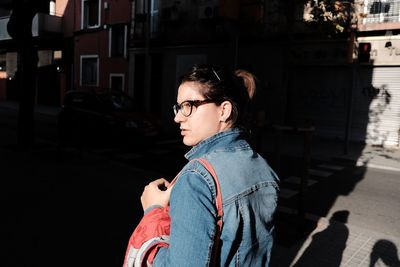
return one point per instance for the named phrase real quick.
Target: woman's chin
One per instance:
(188, 141)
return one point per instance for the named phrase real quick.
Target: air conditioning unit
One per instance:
(207, 12)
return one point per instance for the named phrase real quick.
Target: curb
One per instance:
(360, 163)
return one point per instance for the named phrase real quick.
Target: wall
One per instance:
(66, 9)
(361, 101)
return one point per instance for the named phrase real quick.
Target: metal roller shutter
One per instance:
(376, 112)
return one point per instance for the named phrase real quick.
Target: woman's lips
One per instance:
(184, 131)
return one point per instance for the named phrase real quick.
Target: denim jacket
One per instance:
(249, 195)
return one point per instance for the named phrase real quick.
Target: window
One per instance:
(383, 11)
(117, 82)
(117, 41)
(154, 17)
(90, 70)
(141, 9)
(90, 13)
(52, 8)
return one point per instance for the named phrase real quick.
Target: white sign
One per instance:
(385, 50)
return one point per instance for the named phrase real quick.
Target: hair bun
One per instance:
(248, 81)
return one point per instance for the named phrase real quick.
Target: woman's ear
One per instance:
(225, 111)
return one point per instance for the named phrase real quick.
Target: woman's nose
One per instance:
(178, 117)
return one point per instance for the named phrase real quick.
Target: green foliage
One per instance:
(330, 16)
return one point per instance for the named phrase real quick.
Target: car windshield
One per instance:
(119, 102)
(82, 100)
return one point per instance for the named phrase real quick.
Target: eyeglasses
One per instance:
(186, 107)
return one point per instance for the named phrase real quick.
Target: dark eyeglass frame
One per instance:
(192, 103)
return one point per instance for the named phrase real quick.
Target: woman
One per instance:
(211, 111)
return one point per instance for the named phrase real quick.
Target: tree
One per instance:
(333, 16)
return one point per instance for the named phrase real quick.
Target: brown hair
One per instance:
(248, 80)
(219, 85)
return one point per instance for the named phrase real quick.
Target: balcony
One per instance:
(46, 24)
(42, 24)
(3, 28)
(381, 15)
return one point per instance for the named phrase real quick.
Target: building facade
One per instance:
(50, 37)
(354, 97)
(306, 78)
(346, 85)
(82, 45)
(100, 44)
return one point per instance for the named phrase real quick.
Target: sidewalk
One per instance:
(335, 244)
(41, 109)
(329, 240)
(363, 155)
(65, 210)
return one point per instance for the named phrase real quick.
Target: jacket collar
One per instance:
(220, 140)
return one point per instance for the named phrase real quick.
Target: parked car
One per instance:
(104, 119)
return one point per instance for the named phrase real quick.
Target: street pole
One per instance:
(147, 63)
(20, 29)
(349, 111)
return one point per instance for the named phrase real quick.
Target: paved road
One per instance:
(68, 210)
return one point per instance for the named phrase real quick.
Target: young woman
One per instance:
(211, 111)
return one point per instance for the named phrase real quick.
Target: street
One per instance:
(66, 210)
(75, 208)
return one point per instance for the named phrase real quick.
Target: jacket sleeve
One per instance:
(193, 223)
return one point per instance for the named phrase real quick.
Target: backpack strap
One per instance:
(218, 204)
(218, 200)
(220, 213)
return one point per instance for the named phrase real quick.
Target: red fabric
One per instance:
(156, 223)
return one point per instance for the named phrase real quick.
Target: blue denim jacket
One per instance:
(249, 193)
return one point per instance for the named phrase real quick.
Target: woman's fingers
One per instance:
(156, 193)
(160, 181)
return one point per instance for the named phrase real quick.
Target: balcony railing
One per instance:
(383, 11)
(42, 24)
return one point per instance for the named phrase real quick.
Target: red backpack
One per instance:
(153, 230)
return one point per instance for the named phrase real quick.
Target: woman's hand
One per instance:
(156, 193)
